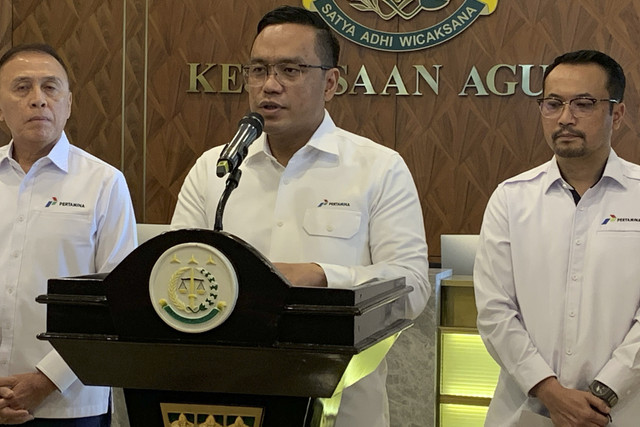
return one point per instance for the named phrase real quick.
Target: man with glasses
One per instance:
(557, 277)
(329, 208)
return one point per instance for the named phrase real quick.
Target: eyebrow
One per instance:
(295, 60)
(21, 79)
(579, 95)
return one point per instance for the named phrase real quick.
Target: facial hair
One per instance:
(566, 150)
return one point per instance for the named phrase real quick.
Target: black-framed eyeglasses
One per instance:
(286, 74)
(581, 107)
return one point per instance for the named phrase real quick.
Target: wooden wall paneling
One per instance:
(133, 102)
(181, 125)
(6, 33)
(372, 116)
(88, 36)
(457, 147)
(6, 28)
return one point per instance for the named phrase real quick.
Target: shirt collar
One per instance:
(260, 148)
(612, 170)
(59, 154)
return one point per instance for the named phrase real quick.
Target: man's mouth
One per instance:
(567, 135)
(270, 106)
(39, 119)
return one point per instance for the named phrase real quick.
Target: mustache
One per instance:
(567, 130)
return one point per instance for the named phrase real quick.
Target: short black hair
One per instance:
(33, 47)
(616, 81)
(327, 45)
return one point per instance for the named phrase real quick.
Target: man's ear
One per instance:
(331, 83)
(618, 114)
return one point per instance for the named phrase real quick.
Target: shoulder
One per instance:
(530, 177)
(84, 163)
(356, 148)
(630, 170)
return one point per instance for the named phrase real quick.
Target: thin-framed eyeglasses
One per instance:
(580, 107)
(286, 74)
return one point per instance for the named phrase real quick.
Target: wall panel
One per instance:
(6, 32)
(130, 75)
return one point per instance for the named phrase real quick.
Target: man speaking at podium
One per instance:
(329, 208)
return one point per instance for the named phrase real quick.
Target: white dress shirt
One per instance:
(71, 214)
(342, 201)
(558, 287)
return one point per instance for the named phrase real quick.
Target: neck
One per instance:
(283, 147)
(582, 173)
(26, 154)
(283, 150)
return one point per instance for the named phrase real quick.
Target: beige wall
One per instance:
(129, 73)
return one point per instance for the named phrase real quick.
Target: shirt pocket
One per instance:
(338, 223)
(58, 227)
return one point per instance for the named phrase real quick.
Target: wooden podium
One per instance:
(278, 356)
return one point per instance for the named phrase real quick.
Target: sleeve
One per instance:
(191, 210)
(116, 237)
(57, 370)
(116, 228)
(499, 319)
(396, 239)
(620, 373)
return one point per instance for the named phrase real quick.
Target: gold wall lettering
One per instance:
(499, 80)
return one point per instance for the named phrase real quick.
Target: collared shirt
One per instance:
(342, 201)
(71, 214)
(558, 287)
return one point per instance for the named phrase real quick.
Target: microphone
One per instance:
(249, 129)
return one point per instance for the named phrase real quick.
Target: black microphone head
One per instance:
(254, 119)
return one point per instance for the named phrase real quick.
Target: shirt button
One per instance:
(569, 352)
(578, 242)
(329, 228)
(21, 218)
(15, 254)
(10, 291)
(280, 223)
(574, 277)
(572, 314)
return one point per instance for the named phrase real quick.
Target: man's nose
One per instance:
(566, 116)
(38, 99)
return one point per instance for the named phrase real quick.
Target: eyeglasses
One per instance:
(286, 74)
(552, 108)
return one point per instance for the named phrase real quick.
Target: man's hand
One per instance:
(8, 415)
(569, 407)
(308, 274)
(20, 394)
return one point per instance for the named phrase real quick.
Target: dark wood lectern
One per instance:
(281, 351)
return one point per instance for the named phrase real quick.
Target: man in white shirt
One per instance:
(65, 213)
(557, 277)
(329, 208)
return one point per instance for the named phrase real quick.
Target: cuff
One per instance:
(338, 276)
(56, 369)
(532, 372)
(619, 378)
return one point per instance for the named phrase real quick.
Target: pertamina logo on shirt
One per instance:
(54, 202)
(325, 202)
(612, 218)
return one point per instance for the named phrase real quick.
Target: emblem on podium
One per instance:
(193, 287)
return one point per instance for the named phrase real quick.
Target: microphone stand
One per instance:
(231, 184)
